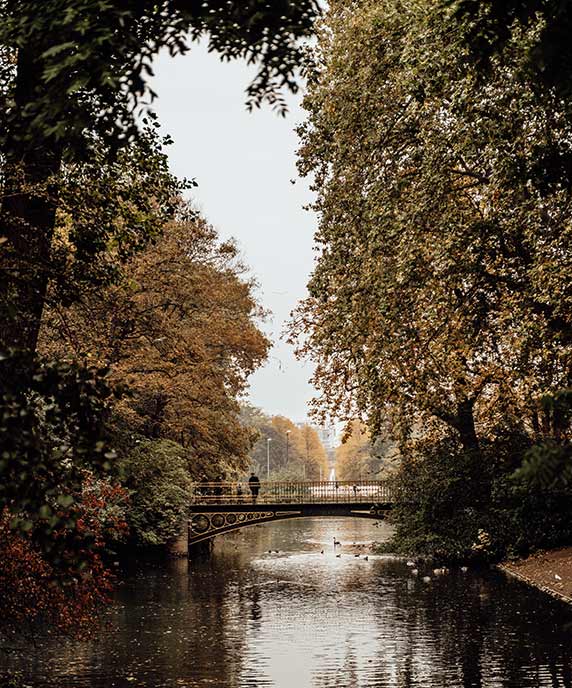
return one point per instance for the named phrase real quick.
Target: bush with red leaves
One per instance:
(68, 590)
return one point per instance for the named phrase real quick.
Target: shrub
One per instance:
(156, 473)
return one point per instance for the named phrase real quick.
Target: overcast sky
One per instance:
(244, 163)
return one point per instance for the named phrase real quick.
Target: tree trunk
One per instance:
(463, 422)
(465, 425)
(27, 221)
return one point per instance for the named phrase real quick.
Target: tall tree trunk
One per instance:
(27, 221)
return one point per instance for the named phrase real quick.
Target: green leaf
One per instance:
(55, 49)
(45, 511)
(65, 500)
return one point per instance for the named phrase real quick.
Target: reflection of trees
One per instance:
(181, 622)
(459, 626)
(168, 626)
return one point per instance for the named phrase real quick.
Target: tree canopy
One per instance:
(360, 457)
(295, 451)
(86, 305)
(181, 333)
(443, 283)
(74, 84)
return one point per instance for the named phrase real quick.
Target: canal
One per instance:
(269, 609)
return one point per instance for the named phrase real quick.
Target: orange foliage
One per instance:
(181, 333)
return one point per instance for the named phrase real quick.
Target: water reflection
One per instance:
(268, 609)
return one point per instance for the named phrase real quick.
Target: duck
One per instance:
(414, 571)
(464, 569)
(338, 556)
(426, 579)
(410, 563)
(356, 555)
(337, 543)
(321, 551)
(366, 558)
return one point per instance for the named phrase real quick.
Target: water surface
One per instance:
(268, 609)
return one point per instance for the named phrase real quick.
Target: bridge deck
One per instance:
(323, 492)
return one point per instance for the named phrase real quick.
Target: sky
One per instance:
(244, 163)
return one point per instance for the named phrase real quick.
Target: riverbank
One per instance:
(549, 571)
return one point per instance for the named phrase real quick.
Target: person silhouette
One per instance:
(254, 484)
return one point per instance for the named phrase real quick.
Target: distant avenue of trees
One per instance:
(293, 452)
(361, 457)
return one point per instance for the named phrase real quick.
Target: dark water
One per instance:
(301, 619)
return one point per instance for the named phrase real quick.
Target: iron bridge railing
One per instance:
(306, 492)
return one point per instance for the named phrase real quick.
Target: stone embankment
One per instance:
(549, 571)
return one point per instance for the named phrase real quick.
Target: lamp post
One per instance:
(268, 440)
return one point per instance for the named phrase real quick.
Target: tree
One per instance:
(442, 291)
(73, 79)
(295, 451)
(52, 433)
(181, 333)
(489, 26)
(274, 441)
(312, 453)
(441, 299)
(36, 589)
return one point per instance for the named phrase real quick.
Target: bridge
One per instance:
(219, 507)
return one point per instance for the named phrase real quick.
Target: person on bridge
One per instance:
(254, 484)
